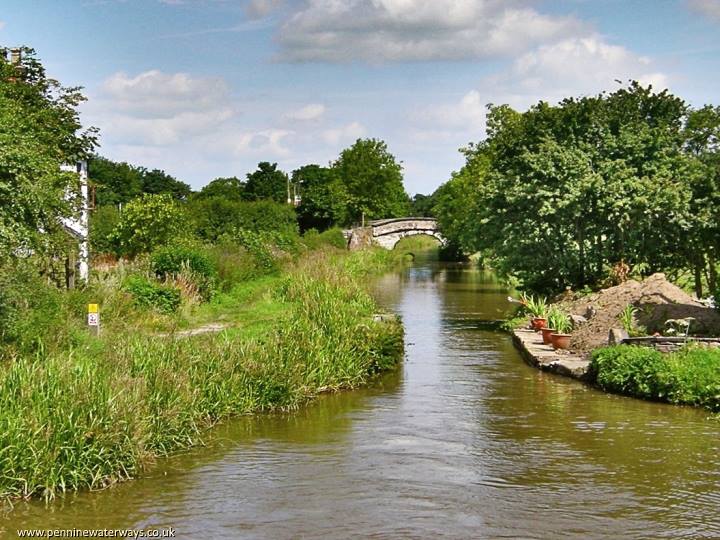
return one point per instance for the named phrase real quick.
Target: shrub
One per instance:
(171, 261)
(145, 292)
(216, 216)
(149, 222)
(629, 370)
(690, 375)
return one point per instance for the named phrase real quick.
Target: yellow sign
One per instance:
(92, 308)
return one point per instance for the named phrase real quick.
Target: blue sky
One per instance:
(208, 88)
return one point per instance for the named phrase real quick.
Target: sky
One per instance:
(208, 88)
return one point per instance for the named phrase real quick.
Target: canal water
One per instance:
(464, 441)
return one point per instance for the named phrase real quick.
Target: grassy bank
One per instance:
(689, 376)
(83, 412)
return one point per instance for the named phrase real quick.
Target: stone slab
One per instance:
(544, 357)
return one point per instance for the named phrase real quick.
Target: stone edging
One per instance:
(544, 357)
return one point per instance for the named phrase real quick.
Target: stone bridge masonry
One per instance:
(387, 232)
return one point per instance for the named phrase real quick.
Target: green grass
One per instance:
(689, 376)
(89, 412)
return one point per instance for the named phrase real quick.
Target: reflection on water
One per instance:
(465, 441)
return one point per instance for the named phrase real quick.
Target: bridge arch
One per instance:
(387, 232)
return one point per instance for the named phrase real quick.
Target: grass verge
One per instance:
(98, 411)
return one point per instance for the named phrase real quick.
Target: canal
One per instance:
(464, 441)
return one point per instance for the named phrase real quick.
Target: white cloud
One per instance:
(347, 133)
(163, 94)
(2, 25)
(571, 67)
(401, 30)
(710, 8)
(313, 111)
(256, 9)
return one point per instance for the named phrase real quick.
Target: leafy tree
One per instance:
(157, 181)
(213, 217)
(115, 183)
(103, 222)
(267, 182)
(456, 203)
(422, 205)
(373, 181)
(40, 130)
(702, 141)
(149, 222)
(230, 189)
(120, 182)
(323, 197)
(575, 188)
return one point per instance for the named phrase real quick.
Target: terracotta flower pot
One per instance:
(538, 323)
(560, 341)
(546, 332)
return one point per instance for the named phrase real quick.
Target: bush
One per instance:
(145, 292)
(171, 261)
(689, 376)
(216, 216)
(629, 370)
(312, 239)
(149, 222)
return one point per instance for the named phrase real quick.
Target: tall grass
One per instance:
(86, 417)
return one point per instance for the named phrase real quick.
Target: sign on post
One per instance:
(93, 318)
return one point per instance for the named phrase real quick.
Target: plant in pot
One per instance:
(537, 307)
(560, 339)
(553, 314)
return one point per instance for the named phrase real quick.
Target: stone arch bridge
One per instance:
(387, 232)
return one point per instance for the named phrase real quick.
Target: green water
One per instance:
(465, 441)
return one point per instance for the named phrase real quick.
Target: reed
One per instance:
(86, 417)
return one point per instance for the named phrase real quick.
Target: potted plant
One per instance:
(560, 339)
(537, 307)
(553, 313)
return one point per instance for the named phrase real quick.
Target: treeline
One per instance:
(591, 190)
(139, 209)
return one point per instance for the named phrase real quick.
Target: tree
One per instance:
(702, 136)
(119, 183)
(323, 197)
(149, 222)
(267, 182)
(456, 203)
(157, 181)
(576, 188)
(40, 130)
(230, 189)
(422, 205)
(115, 183)
(373, 181)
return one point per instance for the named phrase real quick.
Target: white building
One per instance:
(78, 226)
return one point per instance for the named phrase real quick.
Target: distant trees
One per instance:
(230, 189)
(117, 183)
(267, 182)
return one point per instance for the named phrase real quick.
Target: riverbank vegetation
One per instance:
(212, 303)
(79, 411)
(690, 376)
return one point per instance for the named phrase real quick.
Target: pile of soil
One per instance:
(656, 300)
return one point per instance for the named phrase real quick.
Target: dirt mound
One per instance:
(656, 300)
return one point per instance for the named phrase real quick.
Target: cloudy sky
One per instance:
(207, 88)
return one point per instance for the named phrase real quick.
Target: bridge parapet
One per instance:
(387, 232)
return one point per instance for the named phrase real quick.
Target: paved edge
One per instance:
(545, 358)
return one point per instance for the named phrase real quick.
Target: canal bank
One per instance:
(464, 441)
